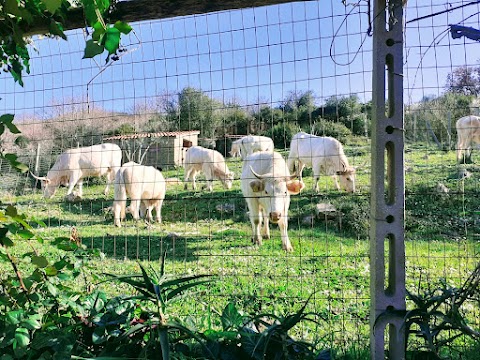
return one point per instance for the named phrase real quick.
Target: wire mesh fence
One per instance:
(208, 80)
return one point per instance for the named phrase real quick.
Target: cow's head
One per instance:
(278, 191)
(48, 187)
(347, 179)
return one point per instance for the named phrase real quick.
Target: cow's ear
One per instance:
(47, 181)
(295, 186)
(257, 185)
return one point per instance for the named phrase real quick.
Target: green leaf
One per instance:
(123, 27)
(22, 337)
(52, 289)
(31, 324)
(92, 49)
(7, 120)
(25, 234)
(14, 317)
(52, 5)
(6, 241)
(51, 271)
(231, 318)
(56, 28)
(11, 211)
(112, 41)
(40, 261)
(98, 31)
(99, 335)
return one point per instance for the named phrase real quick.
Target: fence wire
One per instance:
(208, 80)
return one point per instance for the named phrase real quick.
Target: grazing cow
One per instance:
(145, 186)
(249, 144)
(468, 132)
(211, 163)
(267, 185)
(73, 165)
(323, 154)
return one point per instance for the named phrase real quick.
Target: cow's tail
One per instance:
(120, 198)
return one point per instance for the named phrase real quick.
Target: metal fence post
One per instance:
(387, 248)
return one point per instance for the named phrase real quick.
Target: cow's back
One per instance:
(309, 148)
(198, 155)
(264, 162)
(143, 182)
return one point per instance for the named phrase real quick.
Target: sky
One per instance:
(250, 56)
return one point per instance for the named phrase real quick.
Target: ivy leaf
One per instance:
(7, 120)
(52, 5)
(112, 41)
(98, 31)
(123, 27)
(92, 49)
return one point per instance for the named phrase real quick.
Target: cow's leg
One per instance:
(110, 178)
(265, 227)
(299, 172)
(135, 207)
(255, 219)
(283, 226)
(80, 188)
(207, 170)
(316, 178)
(118, 212)
(335, 179)
(186, 179)
(143, 209)
(158, 211)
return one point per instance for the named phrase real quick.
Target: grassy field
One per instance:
(331, 258)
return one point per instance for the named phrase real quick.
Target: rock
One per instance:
(463, 174)
(225, 208)
(442, 189)
(325, 210)
(308, 220)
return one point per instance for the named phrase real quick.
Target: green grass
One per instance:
(331, 259)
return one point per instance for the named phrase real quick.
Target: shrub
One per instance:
(282, 134)
(323, 127)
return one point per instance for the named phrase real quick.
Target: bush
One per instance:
(323, 127)
(282, 134)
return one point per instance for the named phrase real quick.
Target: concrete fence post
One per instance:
(387, 248)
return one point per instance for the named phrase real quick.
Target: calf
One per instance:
(267, 185)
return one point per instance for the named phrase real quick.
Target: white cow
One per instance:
(266, 185)
(73, 165)
(145, 186)
(249, 144)
(468, 132)
(323, 154)
(211, 163)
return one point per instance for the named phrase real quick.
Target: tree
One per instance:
(18, 16)
(298, 107)
(197, 111)
(464, 80)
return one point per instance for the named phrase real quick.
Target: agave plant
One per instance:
(159, 289)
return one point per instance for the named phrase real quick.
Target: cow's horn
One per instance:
(41, 178)
(258, 176)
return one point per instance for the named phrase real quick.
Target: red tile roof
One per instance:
(152, 135)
